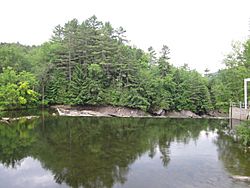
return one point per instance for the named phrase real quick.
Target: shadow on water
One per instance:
(98, 152)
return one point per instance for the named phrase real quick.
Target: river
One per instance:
(54, 151)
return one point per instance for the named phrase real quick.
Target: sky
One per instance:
(198, 32)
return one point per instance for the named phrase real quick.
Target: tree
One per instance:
(90, 62)
(165, 51)
(56, 90)
(152, 55)
(16, 89)
(14, 55)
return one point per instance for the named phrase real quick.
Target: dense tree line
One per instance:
(92, 63)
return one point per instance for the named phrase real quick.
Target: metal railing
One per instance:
(240, 104)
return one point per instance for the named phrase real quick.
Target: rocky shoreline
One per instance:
(111, 111)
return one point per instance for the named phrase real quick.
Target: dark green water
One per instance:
(115, 152)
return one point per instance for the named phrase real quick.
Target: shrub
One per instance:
(243, 131)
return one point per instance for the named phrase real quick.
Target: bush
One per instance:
(16, 89)
(243, 131)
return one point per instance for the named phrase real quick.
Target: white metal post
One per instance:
(245, 91)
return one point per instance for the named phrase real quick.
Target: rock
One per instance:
(100, 111)
(159, 112)
(173, 114)
(205, 116)
(216, 113)
(187, 113)
(182, 114)
(241, 178)
(113, 111)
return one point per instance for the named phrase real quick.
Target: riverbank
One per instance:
(111, 111)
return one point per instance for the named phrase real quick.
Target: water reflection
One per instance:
(16, 141)
(105, 152)
(28, 174)
(235, 157)
(97, 152)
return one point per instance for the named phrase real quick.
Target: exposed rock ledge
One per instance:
(111, 111)
(100, 111)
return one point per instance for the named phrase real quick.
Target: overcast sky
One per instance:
(198, 32)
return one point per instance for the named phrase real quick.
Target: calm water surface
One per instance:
(116, 152)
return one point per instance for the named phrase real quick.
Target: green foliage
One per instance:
(196, 94)
(56, 90)
(133, 99)
(227, 84)
(16, 89)
(96, 66)
(191, 92)
(243, 131)
(15, 142)
(92, 63)
(14, 55)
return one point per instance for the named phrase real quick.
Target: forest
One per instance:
(92, 63)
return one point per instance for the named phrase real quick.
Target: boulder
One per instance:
(187, 113)
(159, 112)
(182, 114)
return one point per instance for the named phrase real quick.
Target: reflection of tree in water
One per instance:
(93, 152)
(235, 158)
(15, 142)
